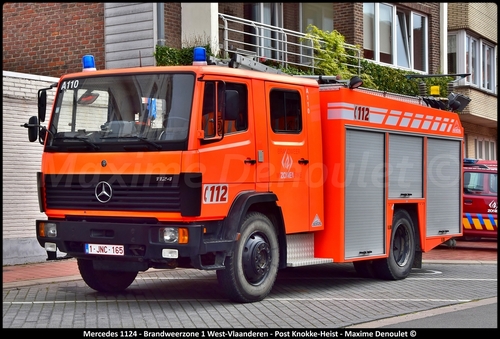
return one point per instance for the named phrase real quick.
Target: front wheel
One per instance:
(251, 271)
(402, 251)
(104, 281)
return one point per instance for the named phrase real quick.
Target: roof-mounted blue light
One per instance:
(199, 56)
(88, 63)
(470, 161)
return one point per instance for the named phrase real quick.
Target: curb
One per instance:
(460, 262)
(425, 314)
(25, 283)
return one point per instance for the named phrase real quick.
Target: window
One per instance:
(485, 149)
(471, 59)
(487, 67)
(113, 111)
(267, 40)
(236, 118)
(493, 182)
(319, 15)
(473, 183)
(286, 113)
(395, 36)
(468, 54)
(452, 54)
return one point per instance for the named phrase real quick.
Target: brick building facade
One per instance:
(50, 38)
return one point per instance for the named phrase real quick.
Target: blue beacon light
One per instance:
(88, 63)
(199, 56)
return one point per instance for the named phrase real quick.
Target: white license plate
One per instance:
(104, 249)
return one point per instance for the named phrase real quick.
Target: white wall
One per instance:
(200, 24)
(21, 161)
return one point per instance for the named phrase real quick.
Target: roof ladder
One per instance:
(244, 62)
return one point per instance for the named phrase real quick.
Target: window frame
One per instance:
(268, 14)
(464, 42)
(306, 52)
(397, 32)
(213, 124)
(285, 112)
(485, 148)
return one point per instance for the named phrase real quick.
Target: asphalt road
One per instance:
(329, 296)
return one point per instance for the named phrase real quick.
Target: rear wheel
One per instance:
(251, 271)
(104, 281)
(402, 251)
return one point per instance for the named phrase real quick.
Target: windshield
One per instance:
(110, 112)
(474, 183)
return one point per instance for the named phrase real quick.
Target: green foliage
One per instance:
(288, 69)
(335, 60)
(329, 51)
(393, 80)
(168, 56)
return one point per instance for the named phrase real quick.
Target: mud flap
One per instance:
(417, 261)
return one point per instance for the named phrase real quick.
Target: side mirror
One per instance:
(42, 104)
(32, 129)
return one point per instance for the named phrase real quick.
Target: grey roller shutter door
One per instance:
(364, 194)
(444, 168)
(405, 166)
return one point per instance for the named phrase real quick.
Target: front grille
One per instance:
(128, 192)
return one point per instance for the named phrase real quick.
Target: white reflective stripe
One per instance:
(382, 116)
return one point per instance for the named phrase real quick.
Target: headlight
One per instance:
(48, 229)
(169, 235)
(172, 235)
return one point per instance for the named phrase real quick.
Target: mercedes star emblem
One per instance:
(103, 192)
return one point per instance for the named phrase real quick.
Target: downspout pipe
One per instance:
(160, 22)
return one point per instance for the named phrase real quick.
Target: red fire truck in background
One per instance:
(243, 172)
(480, 199)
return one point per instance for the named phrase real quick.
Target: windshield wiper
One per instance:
(146, 140)
(84, 139)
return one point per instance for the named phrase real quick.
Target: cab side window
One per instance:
(493, 182)
(473, 182)
(208, 114)
(236, 120)
(286, 113)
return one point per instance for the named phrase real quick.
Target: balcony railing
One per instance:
(265, 42)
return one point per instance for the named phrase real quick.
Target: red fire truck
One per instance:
(243, 172)
(480, 199)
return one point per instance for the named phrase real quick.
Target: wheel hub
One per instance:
(256, 259)
(401, 246)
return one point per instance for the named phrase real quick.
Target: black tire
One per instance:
(251, 271)
(104, 281)
(364, 268)
(402, 251)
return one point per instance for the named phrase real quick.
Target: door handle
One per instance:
(467, 201)
(303, 161)
(250, 161)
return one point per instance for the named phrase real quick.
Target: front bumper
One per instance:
(141, 242)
